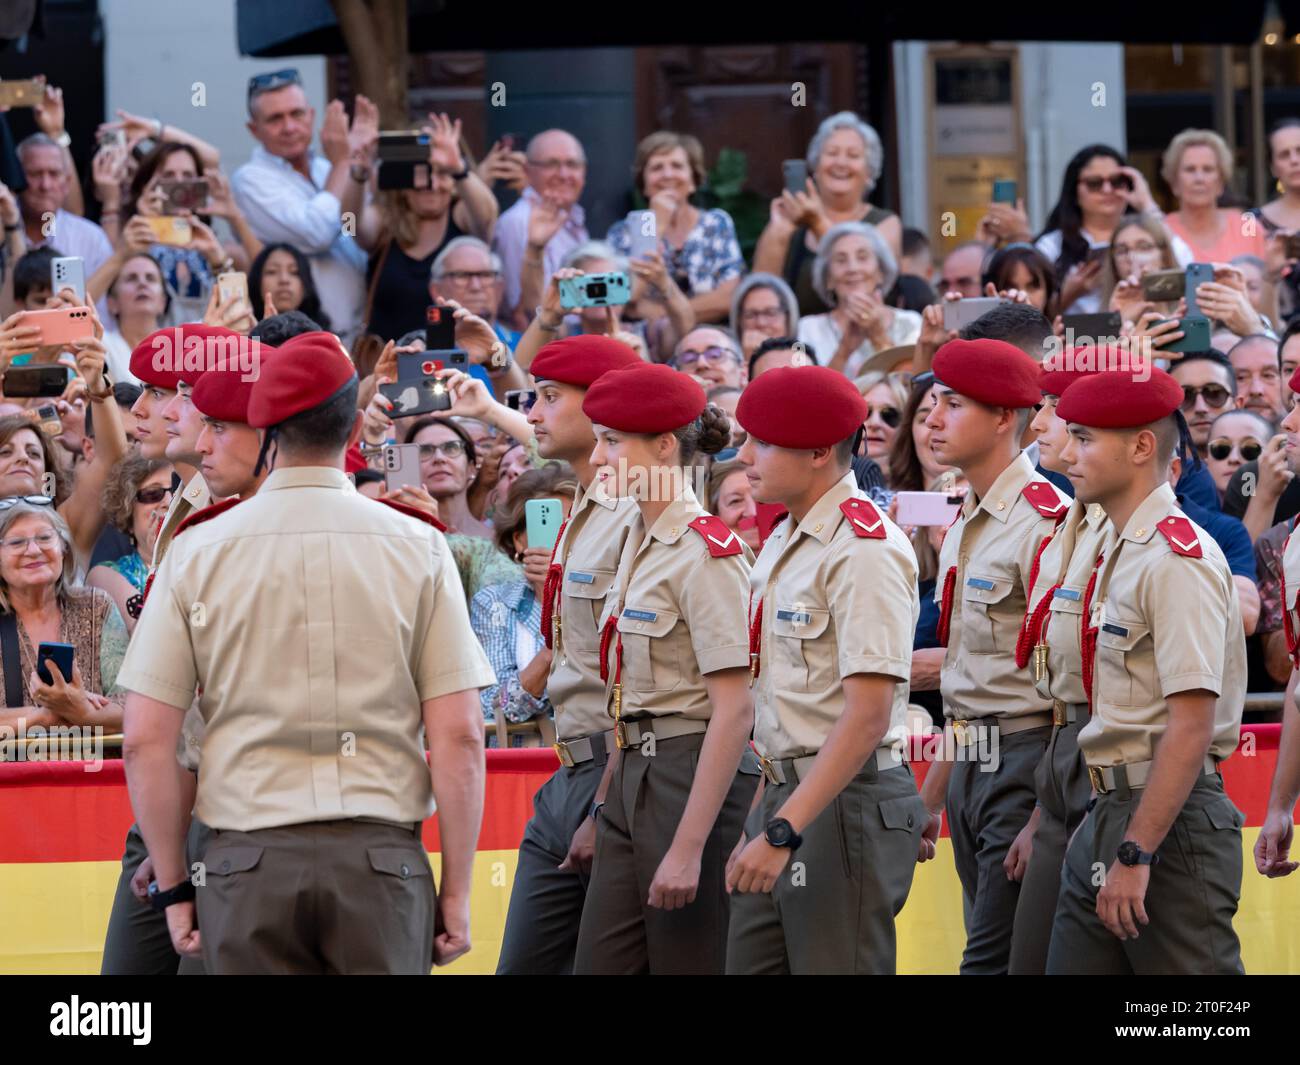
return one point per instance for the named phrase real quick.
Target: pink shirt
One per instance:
(1232, 243)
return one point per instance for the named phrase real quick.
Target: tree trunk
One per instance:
(376, 36)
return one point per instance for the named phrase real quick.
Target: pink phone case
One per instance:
(62, 325)
(925, 508)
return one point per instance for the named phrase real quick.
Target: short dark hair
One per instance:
(1293, 329)
(33, 271)
(845, 448)
(324, 428)
(368, 476)
(281, 327)
(913, 241)
(1211, 356)
(1017, 323)
(781, 344)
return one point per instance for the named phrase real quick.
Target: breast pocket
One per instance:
(983, 606)
(649, 649)
(800, 657)
(584, 592)
(1124, 667)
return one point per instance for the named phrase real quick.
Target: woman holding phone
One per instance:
(675, 653)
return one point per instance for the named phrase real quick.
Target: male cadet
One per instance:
(555, 856)
(986, 392)
(1050, 646)
(1273, 847)
(314, 776)
(1152, 877)
(227, 445)
(834, 831)
(137, 942)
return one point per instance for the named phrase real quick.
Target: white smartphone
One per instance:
(401, 466)
(926, 508)
(960, 313)
(68, 271)
(645, 238)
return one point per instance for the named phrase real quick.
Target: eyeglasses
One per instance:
(450, 448)
(1221, 447)
(1215, 396)
(1145, 248)
(549, 166)
(762, 314)
(465, 277)
(18, 544)
(276, 79)
(712, 356)
(1119, 182)
(891, 416)
(156, 494)
(35, 501)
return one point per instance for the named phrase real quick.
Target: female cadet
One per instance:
(1049, 644)
(676, 653)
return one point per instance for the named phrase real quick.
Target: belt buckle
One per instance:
(962, 732)
(1059, 718)
(1095, 779)
(769, 770)
(566, 758)
(620, 735)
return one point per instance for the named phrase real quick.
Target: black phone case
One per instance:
(61, 653)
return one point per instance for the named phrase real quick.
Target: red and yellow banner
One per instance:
(62, 832)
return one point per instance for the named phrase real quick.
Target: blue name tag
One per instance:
(1114, 630)
(640, 615)
(1068, 593)
(583, 578)
(793, 615)
(979, 582)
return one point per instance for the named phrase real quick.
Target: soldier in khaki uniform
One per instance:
(676, 653)
(1000, 724)
(830, 847)
(316, 792)
(555, 855)
(1049, 646)
(1165, 669)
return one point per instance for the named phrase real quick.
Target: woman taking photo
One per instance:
(676, 656)
(845, 158)
(1139, 245)
(135, 501)
(448, 467)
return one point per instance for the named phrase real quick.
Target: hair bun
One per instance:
(715, 429)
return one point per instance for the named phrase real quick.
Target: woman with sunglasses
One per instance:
(1098, 188)
(886, 395)
(1198, 168)
(135, 500)
(1236, 438)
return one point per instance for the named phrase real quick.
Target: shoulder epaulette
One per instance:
(720, 540)
(864, 519)
(1181, 536)
(1045, 499)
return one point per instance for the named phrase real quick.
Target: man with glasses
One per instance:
(290, 193)
(711, 354)
(544, 225)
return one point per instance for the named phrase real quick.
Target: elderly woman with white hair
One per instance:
(39, 604)
(845, 159)
(763, 308)
(853, 270)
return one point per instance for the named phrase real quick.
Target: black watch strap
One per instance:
(160, 900)
(780, 833)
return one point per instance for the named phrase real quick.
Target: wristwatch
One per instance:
(542, 325)
(780, 833)
(1129, 853)
(359, 172)
(64, 139)
(462, 175)
(594, 812)
(160, 900)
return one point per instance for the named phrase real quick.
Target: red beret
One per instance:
(306, 371)
(645, 398)
(224, 394)
(992, 372)
(1120, 400)
(580, 360)
(1294, 383)
(801, 407)
(183, 353)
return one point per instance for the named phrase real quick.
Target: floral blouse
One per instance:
(91, 623)
(709, 256)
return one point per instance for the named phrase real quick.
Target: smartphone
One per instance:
(61, 654)
(31, 382)
(1107, 326)
(401, 466)
(521, 399)
(794, 172)
(62, 325)
(404, 160)
(50, 422)
(1099, 253)
(439, 329)
(168, 229)
(186, 194)
(1197, 274)
(926, 508)
(26, 92)
(958, 314)
(644, 235)
(1004, 192)
(232, 285)
(111, 138)
(1164, 286)
(416, 390)
(543, 518)
(69, 271)
(595, 290)
(1196, 335)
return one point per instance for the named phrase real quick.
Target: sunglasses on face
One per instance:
(1249, 449)
(891, 416)
(275, 79)
(1215, 396)
(1120, 183)
(156, 494)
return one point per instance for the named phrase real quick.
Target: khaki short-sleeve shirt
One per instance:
(834, 604)
(1068, 561)
(681, 613)
(992, 545)
(317, 621)
(589, 552)
(194, 496)
(1167, 623)
(1291, 579)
